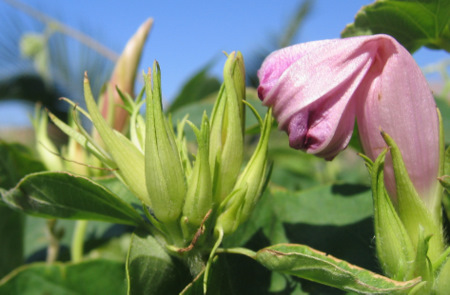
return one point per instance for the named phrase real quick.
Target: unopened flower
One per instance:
(317, 89)
(123, 77)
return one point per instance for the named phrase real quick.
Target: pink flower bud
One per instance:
(317, 89)
(124, 76)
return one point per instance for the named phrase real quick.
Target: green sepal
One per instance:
(228, 220)
(442, 281)
(164, 173)
(199, 194)
(44, 146)
(255, 173)
(412, 210)
(422, 264)
(238, 206)
(393, 245)
(128, 158)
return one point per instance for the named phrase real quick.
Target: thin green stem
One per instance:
(210, 259)
(65, 29)
(78, 240)
(241, 251)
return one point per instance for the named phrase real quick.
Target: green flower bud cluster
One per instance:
(189, 198)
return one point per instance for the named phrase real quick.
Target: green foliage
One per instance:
(88, 277)
(308, 263)
(16, 161)
(11, 233)
(414, 23)
(197, 88)
(62, 195)
(151, 270)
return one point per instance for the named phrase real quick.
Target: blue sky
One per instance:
(188, 34)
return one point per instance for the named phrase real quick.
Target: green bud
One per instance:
(164, 173)
(74, 151)
(46, 149)
(127, 157)
(227, 125)
(32, 44)
(229, 220)
(199, 194)
(412, 210)
(393, 245)
(236, 209)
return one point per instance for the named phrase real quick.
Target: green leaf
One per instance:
(151, 270)
(63, 195)
(414, 23)
(325, 217)
(337, 204)
(11, 233)
(121, 190)
(305, 262)
(88, 277)
(16, 161)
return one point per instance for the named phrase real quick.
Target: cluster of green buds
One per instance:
(78, 156)
(191, 200)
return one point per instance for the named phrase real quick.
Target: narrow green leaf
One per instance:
(62, 195)
(88, 277)
(150, 269)
(414, 23)
(305, 262)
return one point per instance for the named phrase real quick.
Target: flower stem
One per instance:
(78, 240)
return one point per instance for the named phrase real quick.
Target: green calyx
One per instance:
(394, 247)
(198, 199)
(164, 174)
(411, 209)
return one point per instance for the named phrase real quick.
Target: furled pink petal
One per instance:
(124, 75)
(316, 89)
(396, 98)
(310, 87)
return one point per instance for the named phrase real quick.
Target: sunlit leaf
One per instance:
(414, 23)
(305, 262)
(63, 195)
